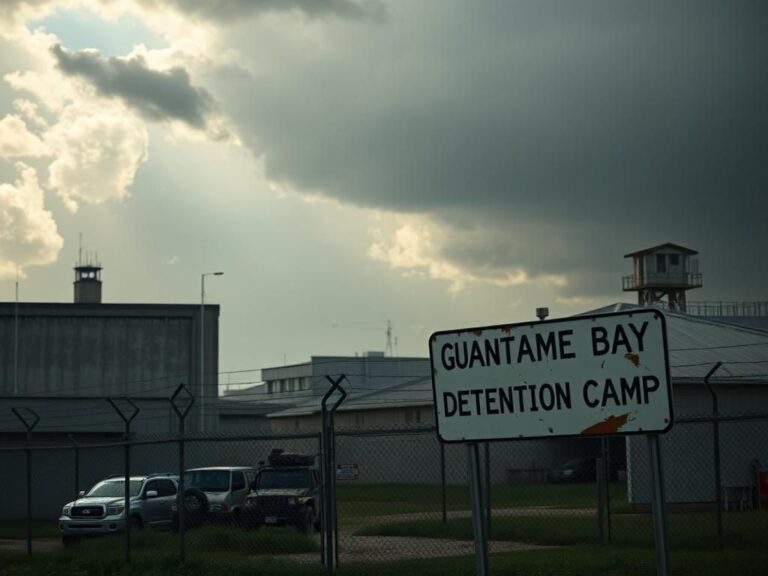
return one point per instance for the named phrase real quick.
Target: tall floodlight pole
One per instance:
(202, 345)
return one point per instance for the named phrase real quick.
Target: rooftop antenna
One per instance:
(389, 338)
(80, 251)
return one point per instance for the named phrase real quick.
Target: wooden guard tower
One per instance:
(664, 271)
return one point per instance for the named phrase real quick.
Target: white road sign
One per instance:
(588, 375)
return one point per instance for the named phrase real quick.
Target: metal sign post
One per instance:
(479, 519)
(127, 502)
(182, 409)
(716, 446)
(658, 507)
(29, 424)
(330, 534)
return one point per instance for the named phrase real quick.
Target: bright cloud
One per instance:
(16, 141)
(418, 245)
(28, 233)
(98, 151)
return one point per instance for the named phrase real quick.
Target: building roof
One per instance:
(416, 392)
(666, 245)
(695, 346)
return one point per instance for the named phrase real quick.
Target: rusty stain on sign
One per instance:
(610, 425)
(633, 357)
(507, 330)
(477, 332)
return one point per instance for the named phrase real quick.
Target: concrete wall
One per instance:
(84, 351)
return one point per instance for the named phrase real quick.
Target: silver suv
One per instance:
(214, 494)
(102, 509)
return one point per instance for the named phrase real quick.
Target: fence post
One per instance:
(76, 448)
(716, 446)
(599, 475)
(127, 502)
(29, 425)
(181, 412)
(443, 496)
(330, 536)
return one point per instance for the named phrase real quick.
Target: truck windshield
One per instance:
(207, 480)
(284, 479)
(114, 489)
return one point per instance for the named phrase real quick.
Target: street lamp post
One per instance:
(202, 345)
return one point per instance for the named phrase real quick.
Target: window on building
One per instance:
(661, 263)
(270, 387)
(674, 259)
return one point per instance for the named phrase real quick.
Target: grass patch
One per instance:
(572, 561)
(201, 542)
(210, 550)
(68, 563)
(360, 500)
(576, 561)
(742, 530)
(17, 529)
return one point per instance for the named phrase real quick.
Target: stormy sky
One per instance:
(437, 163)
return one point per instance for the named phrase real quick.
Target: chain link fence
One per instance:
(400, 494)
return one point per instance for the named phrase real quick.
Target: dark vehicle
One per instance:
(286, 492)
(584, 470)
(576, 470)
(214, 495)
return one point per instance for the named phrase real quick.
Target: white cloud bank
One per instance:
(28, 233)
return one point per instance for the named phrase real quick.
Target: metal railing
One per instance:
(661, 280)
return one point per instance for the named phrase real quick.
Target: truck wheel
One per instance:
(195, 507)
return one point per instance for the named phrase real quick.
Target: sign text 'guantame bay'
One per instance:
(555, 377)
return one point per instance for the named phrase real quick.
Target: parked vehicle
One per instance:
(574, 470)
(101, 510)
(287, 492)
(583, 470)
(214, 494)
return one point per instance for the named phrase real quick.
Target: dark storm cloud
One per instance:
(555, 136)
(226, 10)
(159, 95)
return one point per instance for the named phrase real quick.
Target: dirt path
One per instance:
(354, 548)
(363, 521)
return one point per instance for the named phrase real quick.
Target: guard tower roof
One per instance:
(660, 247)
